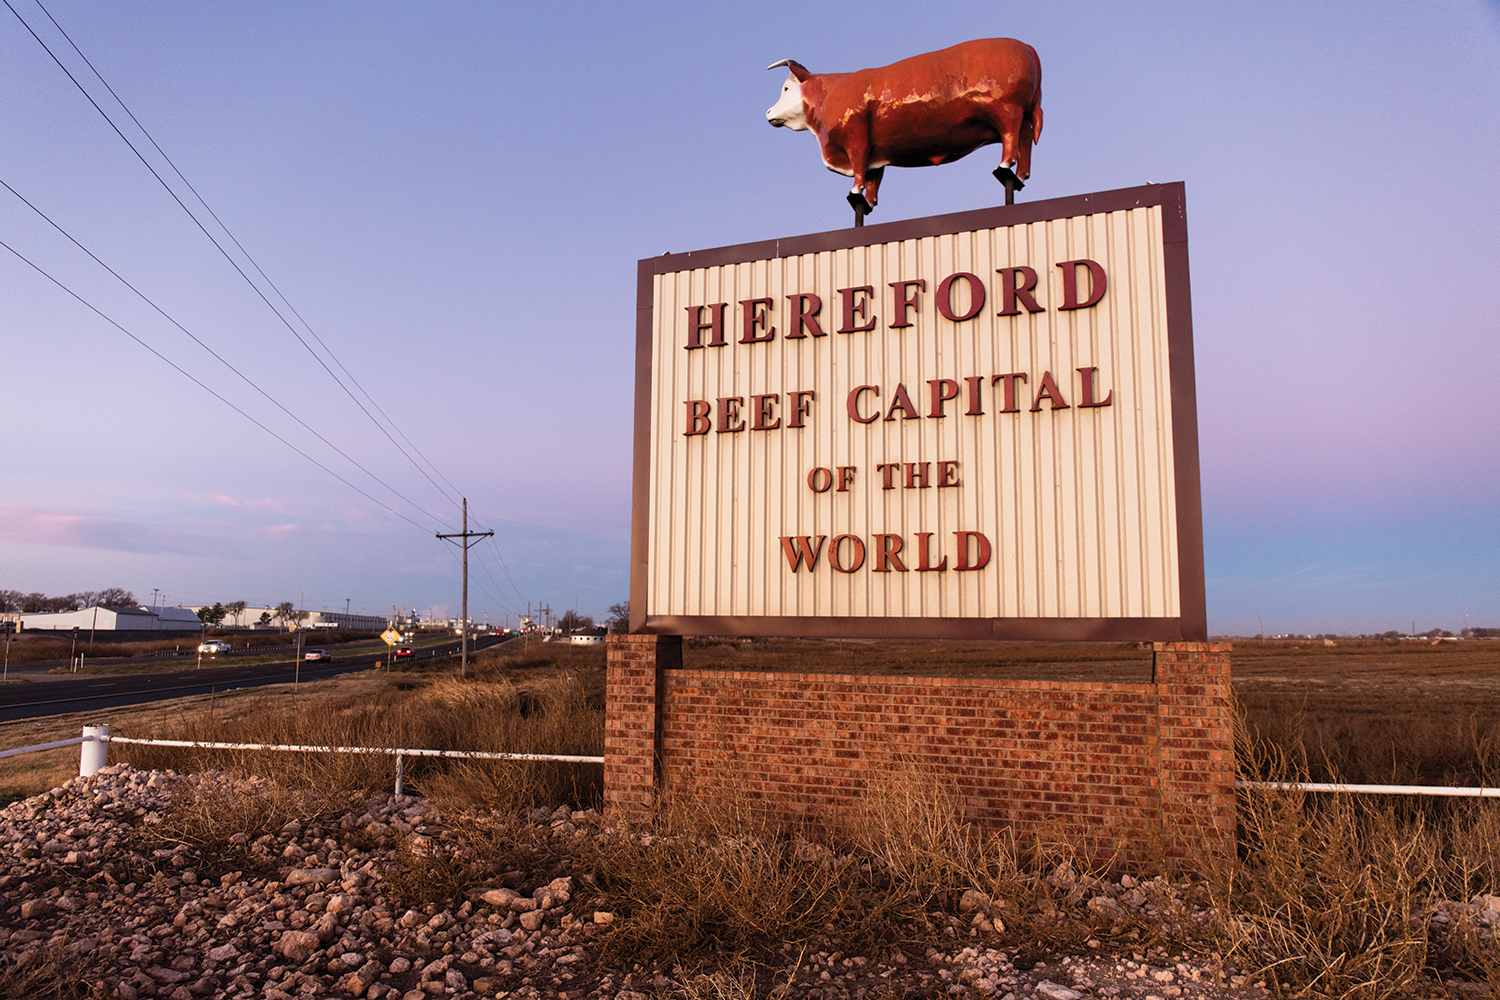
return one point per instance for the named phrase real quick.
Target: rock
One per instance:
(973, 901)
(603, 917)
(223, 952)
(35, 909)
(312, 876)
(1055, 992)
(532, 919)
(297, 946)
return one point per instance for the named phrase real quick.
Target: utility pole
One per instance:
(465, 535)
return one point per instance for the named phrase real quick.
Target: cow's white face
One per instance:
(789, 110)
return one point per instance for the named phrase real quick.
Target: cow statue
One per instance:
(919, 112)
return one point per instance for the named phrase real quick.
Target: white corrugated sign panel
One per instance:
(1075, 503)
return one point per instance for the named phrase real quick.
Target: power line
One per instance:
(243, 377)
(88, 305)
(254, 287)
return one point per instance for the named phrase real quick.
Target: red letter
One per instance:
(914, 481)
(902, 400)
(924, 539)
(846, 476)
(856, 549)
(888, 469)
(1048, 390)
(813, 479)
(1088, 390)
(805, 309)
(854, 404)
(974, 382)
(1013, 289)
(1010, 390)
(729, 413)
(889, 546)
(943, 389)
(1070, 283)
(763, 406)
(903, 304)
(800, 548)
(715, 325)
(801, 401)
(698, 422)
(945, 297)
(983, 559)
(947, 474)
(757, 314)
(862, 308)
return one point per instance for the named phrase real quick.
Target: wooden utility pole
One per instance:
(465, 535)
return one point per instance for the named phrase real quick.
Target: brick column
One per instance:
(632, 720)
(1195, 723)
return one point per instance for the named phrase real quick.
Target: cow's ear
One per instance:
(798, 70)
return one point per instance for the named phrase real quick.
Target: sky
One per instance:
(447, 202)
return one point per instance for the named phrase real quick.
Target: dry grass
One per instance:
(49, 973)
(1335, 893)
(1331, 896)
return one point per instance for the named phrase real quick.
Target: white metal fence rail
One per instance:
(94, 750)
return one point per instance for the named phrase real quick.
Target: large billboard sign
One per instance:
(980, 425)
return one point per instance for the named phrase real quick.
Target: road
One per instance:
(53, 694)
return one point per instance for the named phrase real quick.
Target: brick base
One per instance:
(1129, 769)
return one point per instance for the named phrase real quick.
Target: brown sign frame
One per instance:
(1191, 623)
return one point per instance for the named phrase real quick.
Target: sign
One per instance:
(391, 636)
(979, 425)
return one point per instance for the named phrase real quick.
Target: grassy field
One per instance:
(1330, 895)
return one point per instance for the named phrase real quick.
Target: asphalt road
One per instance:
(53, 694)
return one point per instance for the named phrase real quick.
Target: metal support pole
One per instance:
(400, 775)
(1012, 183)
(93, 752)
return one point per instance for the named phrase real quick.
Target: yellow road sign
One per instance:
(391, 636)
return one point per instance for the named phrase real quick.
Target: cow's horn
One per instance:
(798, 70)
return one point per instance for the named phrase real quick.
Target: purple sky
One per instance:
(455, 196)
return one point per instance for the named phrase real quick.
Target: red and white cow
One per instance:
(919, 112)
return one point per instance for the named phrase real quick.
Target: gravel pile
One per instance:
(87, 877)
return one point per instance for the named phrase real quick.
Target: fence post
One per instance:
(400, 775)
(93, 752)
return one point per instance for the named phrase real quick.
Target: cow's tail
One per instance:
(1036, 103)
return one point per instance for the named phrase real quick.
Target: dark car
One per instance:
(406, 653)
(317, 655)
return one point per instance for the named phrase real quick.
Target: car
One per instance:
(317, 655)
(214, 646)
(405, 653)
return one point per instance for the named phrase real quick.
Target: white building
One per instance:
(251, 618)
(111, 620)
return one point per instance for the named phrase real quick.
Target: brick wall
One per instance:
(1138, 768)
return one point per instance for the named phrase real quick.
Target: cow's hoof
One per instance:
(858, 202)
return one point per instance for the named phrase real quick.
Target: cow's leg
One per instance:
(858, 149)
(1008, 119)
(872, 185)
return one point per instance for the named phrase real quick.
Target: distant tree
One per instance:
(265, 617)
(10, 600)
(284, 613)
(572, 621)
(237, 609)
(213, 615)
(619, 617)
(114, 597)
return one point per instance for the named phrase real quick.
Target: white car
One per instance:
(213, 646)
(317, 655)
